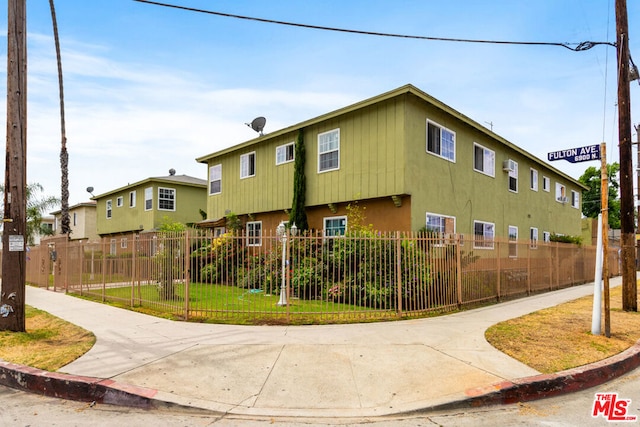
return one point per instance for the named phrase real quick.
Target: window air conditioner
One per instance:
(508, 166)
(563, 199)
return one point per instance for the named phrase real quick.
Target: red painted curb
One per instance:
(549, 385)
(74, 387)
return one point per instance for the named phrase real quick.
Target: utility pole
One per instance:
(629, 284)
(12, 297)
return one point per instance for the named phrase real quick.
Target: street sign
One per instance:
(576, 155)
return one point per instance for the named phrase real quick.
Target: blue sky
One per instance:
(150, 88)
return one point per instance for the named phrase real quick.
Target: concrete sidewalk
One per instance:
(356, 370)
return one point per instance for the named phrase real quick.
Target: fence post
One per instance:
(529, 249)
(458, 269)
(398, 273)
(499, 284)
(187, 273)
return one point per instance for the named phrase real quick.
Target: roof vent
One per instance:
(172, 172)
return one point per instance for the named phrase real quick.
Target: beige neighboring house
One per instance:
(82, 220)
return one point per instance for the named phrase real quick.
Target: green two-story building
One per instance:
(410, 162)
(143, 206)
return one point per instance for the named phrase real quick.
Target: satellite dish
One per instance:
(257, 124)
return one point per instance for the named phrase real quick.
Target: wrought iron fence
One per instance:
(309, 278)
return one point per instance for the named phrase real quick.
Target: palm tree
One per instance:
(65, 227)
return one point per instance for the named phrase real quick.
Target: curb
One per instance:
(548, 385)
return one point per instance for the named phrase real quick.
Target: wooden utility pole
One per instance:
(629, 284)
(12, 304)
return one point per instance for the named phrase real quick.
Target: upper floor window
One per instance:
(254, 233)
(148, 198)
(75, 218)
(575, 199)
(441, 141)
(546, 183)
(120, 201)
(561, 193)
(109, 208)
(484, 160)
(335, 226)
(329, 150)
(215, 179)
(132, 199)
(512, 168)
(483, 234)
(248, 165)
(166, 199)
(285, 153)
(534, 179)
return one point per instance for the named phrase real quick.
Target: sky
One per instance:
(150, 88)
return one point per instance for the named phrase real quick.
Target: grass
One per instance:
(559, 338)
(549, 340)
(49, 343)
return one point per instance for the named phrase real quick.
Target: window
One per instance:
(440, 225)
(546, 184)
(513, 241)
(575, 199)
(483, 235)
(533, 238)
(561, 195)
(123, 243)
(441, 141)
(484, 160)
(112, 247)
(148, 198)
(166, 199)
(215, 179)
(284, 153)
(254, 233)
(248, 165)
(335, 226)
(534, 179)
(329, 151)
(218, 231)
(120, 201)
(513, 176)
(546, 236)
(132, 199)
(75, 218)
(109, 208)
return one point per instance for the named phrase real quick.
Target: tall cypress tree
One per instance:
(298, 215)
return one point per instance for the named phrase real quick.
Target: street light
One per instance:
(281, 232)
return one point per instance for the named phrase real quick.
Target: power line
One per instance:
(576, 47)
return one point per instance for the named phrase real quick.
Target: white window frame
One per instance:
(533, 238)
(334, 218)
(488, 160)
(163, 199)
(442, 151)
(123, 243)
(546, 184)
(285, 153)
(533, 175)
(327, 146)
(132, 199)
(148, 199)
(112, 247)
(218, 231)
(437, 223)
(488, 235)
(513, 175)
(513, 241)
(254, 233)
(120, 201)
(575, 199)
(546, 236)
(248, 165)
(561, 193)
(109, 210)
(215, 176)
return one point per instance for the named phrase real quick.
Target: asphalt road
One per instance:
(25, 409)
